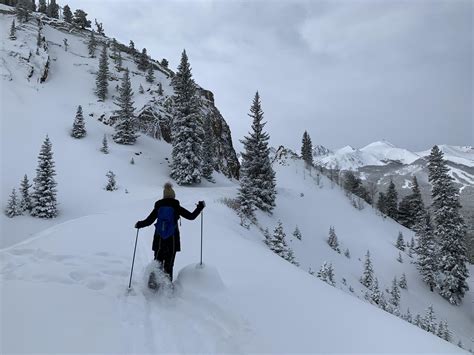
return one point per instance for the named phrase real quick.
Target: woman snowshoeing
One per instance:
(166, 241)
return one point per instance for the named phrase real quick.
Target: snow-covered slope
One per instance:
(348, 158)
(386, 152)
(63, 281)
(456, 154)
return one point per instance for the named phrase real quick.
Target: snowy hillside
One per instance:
(64, 280)
(386, 152)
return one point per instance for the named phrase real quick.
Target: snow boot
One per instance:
(152, 281)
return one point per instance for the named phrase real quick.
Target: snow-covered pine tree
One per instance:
(368, 275)
(399, 258)
(100, 27)
(39, 38)
(391, 201)
(256, 168)
(400, 244)
(278, 245)
(105, 145)
(403, 282)
(408, 316)
(66, 44)
(140, 89)
(67, 14)
(418, 321)
(111, 182)
(102, 79)
(187, 130)
(429, 320)
(132, 161)
(13, 31)
(332, 239)
(307, 149)
(80, 19)
(118, 61)
(125, 127)
(92, 45)
(447, 333)
(440, 330)
(375, 293)
(13, 206)
(150, 74)
(208, 148)
(44, 192)
(160, 89)
(426, 250)
(25, 202)
(297, 233)
(450, 230)
(79, 127)
(395, 293)
(347, 253)
(326, 273)
(143, 60)
(23, 10)
(131, 48)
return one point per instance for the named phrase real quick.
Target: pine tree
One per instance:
(25, 202)
(426, 251)
(53, 9)
(79, 127)
(164, 63)
(307, 149)
(100, 27)
(13, 207)
(23, 10)
(381, 203)
(297, 233)
(66, 45)
(326, 274)
(132, 161)
(447, 333)
(347, 254)
(111, 183)
(408, 316)
(125, 128)
(143, 60)
(187, 131)
(278, 245)
(400, 242)
(391, 201)
(150, 74)
(131, 47)
(368, 275)
(92, 45)
(13, 31)
(399, 258)
(160, 89)
(256, 168)
(80, 19)
(140, 89)
(395, 293)
(67, 14)
(375, 294)
(118, 62)
(450, 230)
(42, 7)
(332, 240)
(403, 282)
(208, 147)
(105, 146)
(44, 193)
(102, 79)
(39, 38)
(429, 320)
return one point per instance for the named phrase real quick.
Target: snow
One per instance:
(457, 154)
(64, 281)
(386, 152)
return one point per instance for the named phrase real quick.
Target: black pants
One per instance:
(165, 255)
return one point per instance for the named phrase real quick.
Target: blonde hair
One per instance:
(168, 191)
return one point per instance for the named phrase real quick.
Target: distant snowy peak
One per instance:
(386, 152)
(320, 150)
(457, 154)
(348, 158)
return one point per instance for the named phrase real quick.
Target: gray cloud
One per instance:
(350, 72)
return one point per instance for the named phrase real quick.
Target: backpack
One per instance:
(166, 222)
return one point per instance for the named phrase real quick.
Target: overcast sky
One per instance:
(349, 72)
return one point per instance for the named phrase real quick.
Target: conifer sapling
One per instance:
(13, 208)
(79, 127)
(111, 183)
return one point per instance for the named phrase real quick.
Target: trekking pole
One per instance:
(201, 235)
(133, 260)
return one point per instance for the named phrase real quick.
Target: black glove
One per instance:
(201, 205)
(137, 225)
